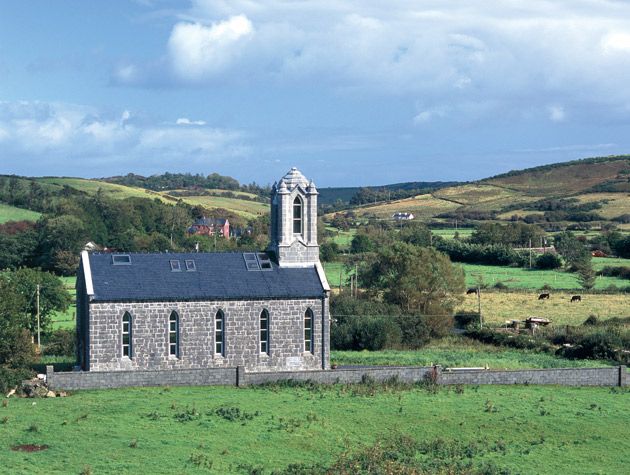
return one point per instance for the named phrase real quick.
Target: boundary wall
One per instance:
(237, 376)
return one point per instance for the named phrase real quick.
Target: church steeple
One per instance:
(294, 220)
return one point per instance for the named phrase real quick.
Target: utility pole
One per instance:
(479, 306)
(530, 253)
(38, 329)
(356, 280)
(340, 279)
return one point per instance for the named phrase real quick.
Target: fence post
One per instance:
(623, 375)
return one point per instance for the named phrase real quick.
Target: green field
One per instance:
(458, 352)
(520, 278)
(11, 213)
(336, 271)
(245, 208)
(112, 190)
(67, 319)
(342, 238)
(449, 233)
(515, 429)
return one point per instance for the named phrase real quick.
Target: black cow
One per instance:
(576, 298)
(543, 296)
(472, 290)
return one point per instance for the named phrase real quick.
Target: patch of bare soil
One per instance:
(29, 448)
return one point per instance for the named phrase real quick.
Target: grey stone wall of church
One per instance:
(298, 253)
(150, 321)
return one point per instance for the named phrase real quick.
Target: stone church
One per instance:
(265, 311)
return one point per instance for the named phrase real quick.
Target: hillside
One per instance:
(239, 203)
(11, 213)
(604, 183)
(332, 195)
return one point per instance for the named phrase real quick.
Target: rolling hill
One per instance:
(605, 180)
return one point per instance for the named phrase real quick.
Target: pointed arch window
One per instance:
(297, 215)
(219, 333)
(264, 332)
(127, 342)
(173, 334)
(308, 331)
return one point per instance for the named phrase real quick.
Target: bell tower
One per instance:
(294, 221)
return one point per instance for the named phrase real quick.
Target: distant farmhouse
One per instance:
(209, 226)
(264, 311)
(403, 216)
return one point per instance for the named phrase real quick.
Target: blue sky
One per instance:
(352, 93)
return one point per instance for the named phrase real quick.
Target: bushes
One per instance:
(364, 333)
(548, 261)
(493, 254)
(523, 342)
(60, 343)
(604, 345)
(12, 377)
(623, 272)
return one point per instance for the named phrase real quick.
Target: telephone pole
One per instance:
(479, 306)
(38, 329)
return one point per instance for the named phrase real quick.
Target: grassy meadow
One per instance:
(111, 190)
(534, 279)
(458, 352)
(342, 238)
(499, 306)
(491, 429)
(245, 208)
(67, 319)
(11, 213)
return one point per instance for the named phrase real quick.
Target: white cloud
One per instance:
(616, 42)
(512, 55)
(187, 121)
(556, 113)
(45, 132)
(430, 114)
(197, 51)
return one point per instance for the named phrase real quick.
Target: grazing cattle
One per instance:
(472, 290)
(543, 296)
(576, 298)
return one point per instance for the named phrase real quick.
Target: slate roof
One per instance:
(220, 276)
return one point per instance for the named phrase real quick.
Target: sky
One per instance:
(351, 92)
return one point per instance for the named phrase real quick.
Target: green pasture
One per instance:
(458, 352)
(245, 208)
(112, 190)
(67, 319)
(513, 429)
(337, 272)
(449, 233)
(520, 278)
(342, 238)
(600, 262)
(11, 213)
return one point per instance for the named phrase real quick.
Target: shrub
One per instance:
(365, 333)
(415, 332)
(548, 261)
(463, 319)
(12, 377)
(60, 343)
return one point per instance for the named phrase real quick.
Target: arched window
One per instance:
(264, 332)
(308, 331)
(127, 343)
(219, 333)
(173, 334)
(297, 215)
